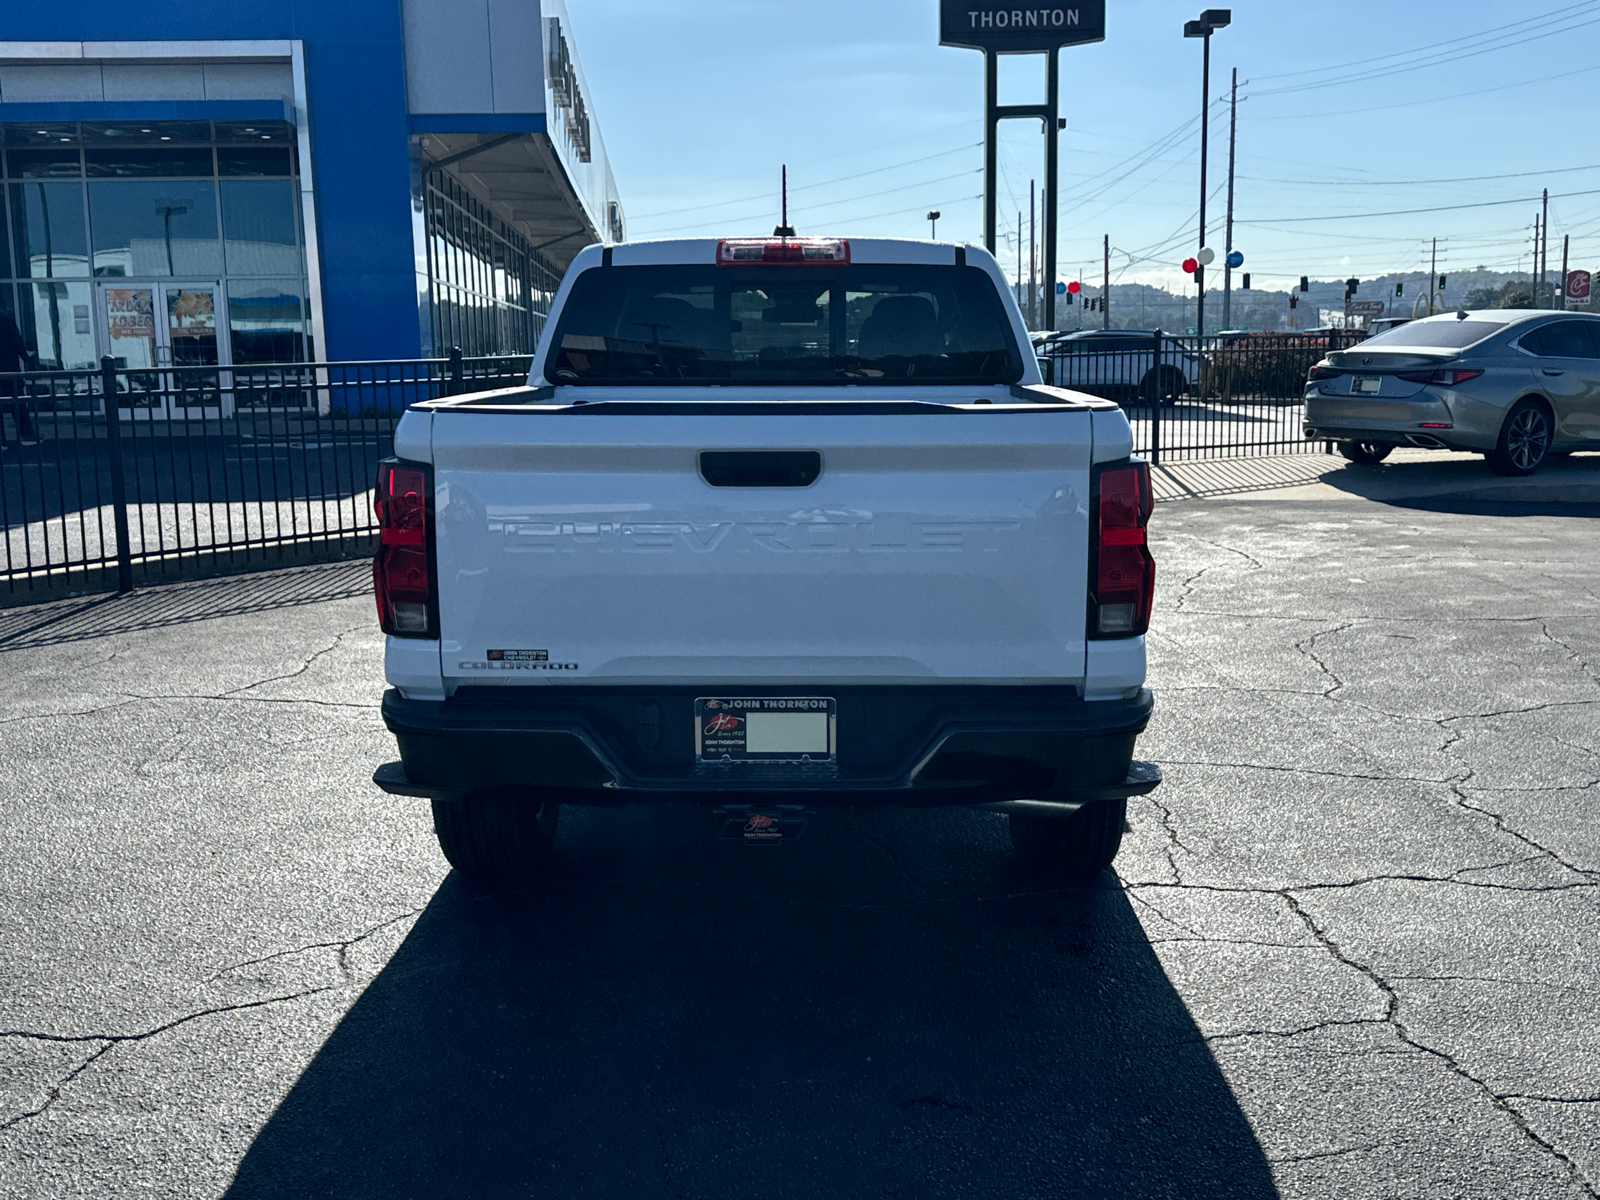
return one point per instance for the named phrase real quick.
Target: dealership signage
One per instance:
(566, 92)
(1006, 29)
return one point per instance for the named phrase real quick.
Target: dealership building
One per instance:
(275, 181)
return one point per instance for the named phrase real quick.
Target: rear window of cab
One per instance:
(896, 323)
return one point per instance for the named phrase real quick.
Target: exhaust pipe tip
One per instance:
(1425, 441)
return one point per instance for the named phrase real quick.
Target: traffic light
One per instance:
(1294, 301)
(1305, 284)
(1441, 283)
(1069, 298)
(1351, 286)
(1247, 281)
(1399, 289)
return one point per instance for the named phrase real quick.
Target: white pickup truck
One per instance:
(776, 523)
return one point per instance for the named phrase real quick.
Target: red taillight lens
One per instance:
(1446, 377)
(797, 252)
(402, 576)
(1325, 373)
(1124, 574)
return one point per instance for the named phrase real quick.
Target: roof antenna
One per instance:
(785, 230)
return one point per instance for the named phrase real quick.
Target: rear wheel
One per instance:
(1070, 849)
(1365, 452)
(1524, 440)
(1162, 386)
(498, 833)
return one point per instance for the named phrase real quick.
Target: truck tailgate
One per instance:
(948, 545)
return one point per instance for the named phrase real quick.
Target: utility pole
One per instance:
(1105, 292)
(1019, 258)
(1033, 285)
(1211, 20)
(1533, 267)
(1566, 241)
(1544, 257)
(1227, 267)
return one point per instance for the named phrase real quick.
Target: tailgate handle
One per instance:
(760, 468)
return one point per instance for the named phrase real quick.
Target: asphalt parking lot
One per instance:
(1350, 948)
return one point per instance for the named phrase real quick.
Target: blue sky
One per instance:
(1344, 110)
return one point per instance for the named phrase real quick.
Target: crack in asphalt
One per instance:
(342, 947)
(1314, 1027)
(304, 666)
(1392, 1018)
(1299, 1158)
(113, 1040)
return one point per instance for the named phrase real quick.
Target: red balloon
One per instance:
(1191, 264)
(1074, 287)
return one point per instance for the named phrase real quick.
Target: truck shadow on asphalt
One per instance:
(881, 1007)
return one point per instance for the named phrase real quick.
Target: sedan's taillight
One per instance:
(1445, 377)
(402, 572)
(1122, 573)
(1325, 373)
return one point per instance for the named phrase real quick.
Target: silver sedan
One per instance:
(1511, 384)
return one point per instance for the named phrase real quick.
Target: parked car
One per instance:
(1384, 324)
(1120, 364)
(741, 543)
(1513, 385)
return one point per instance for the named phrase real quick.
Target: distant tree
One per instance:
(1516, 294)
(1482, 297)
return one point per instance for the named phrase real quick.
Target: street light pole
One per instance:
(1227, 252)
(1211, 20)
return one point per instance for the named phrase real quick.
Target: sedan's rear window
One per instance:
(1436, 335)
(860, 323)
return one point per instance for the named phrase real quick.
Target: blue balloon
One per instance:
(1235, 258)
(1061, 289)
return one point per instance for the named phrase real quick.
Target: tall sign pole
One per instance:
(1227, 262)
(996, 28)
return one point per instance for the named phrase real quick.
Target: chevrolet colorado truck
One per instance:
(775, 524)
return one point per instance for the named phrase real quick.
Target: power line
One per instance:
(1476, 92)
(1555, 14)
(1403, 212)
(1437, 60)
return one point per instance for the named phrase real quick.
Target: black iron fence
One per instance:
(197, 470)
(1189, 397)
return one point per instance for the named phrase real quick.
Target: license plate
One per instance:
(765, 729)
(1367, 385)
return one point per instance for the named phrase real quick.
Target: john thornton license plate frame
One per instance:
(766, 729)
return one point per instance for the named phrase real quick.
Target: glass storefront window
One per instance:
(44, 164)
(213, 208)
(261, 226)
(48, 231)
(54, 318)
(266, 320)
(146, 227)
(147, 162)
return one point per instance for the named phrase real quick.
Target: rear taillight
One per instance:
(1446, 377)
(1325, 372)
(798, 252)
(402, 572)
(1122, 573)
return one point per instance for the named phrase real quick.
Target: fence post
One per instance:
(456, 374)
(1155, 407)
(119, 483)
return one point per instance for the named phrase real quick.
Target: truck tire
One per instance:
(1524, 440)
(1071, 849)
(496, 834)
(1366, 452)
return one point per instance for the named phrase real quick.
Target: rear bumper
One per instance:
(913, 745)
